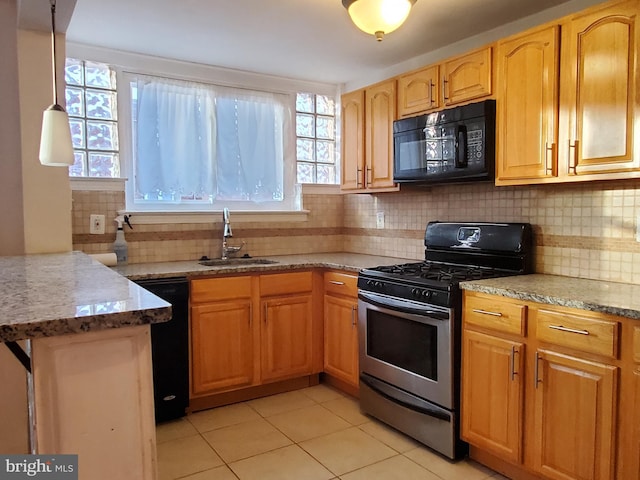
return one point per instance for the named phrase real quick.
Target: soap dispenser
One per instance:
(120, 247)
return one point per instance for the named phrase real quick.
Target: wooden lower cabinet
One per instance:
(575, 417)
(286, 337)
(555, 400)
(341, 338)
(222, 346)
(492, 394)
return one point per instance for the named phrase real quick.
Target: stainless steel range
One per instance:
(409, 325)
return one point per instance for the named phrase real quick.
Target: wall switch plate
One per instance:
(96, 224)
(380, 220)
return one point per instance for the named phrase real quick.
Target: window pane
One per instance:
(78, 167)
(325, 105)
(305, 173)
(75, 101)
(99, 75)
(325, 151)
(73, 72)
(77, 132)
(101, 104)
(305, 149)
(326, 174)
(326, 127)
(102, 135)
(305, 125)
(104, 165)
(304, 102)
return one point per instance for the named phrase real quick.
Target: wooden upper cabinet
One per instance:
(527, 106)
(419, 91)
(467, 77)
(367, 138)
(599, 99)
(380, 112)
(352, 140)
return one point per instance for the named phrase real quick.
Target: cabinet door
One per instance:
(418, 91)
(467, 77)
(222, 346)
(528, 106)
(380, 111)
(341, 338)
(352, 140)
(492, 394)
(599, 91)
(574, 417)
(286, 338)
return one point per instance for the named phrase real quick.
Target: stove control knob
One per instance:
(379, 284)
(426, 294)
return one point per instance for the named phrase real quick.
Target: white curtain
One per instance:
(199, 142)
(175, 138)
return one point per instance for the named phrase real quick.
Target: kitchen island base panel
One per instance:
(94, 398)
(226, 398)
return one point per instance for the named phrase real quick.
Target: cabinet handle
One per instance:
(570, 330)
(354, 309)
(335, 282)
(548, 165)
(513, 362)
(369, 172)
(444, 89)
(573, 164)
(431, 87)
(266, 312)
(358, 176)
(536, 377)
(250, 314)
(485, 312)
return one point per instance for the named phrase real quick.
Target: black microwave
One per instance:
(449, 146)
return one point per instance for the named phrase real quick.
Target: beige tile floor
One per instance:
(317, 433)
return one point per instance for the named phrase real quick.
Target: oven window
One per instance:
(403, 343)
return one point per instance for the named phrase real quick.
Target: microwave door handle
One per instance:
(461, 146)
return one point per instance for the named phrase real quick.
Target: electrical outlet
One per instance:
(96, 224)
(380, 220)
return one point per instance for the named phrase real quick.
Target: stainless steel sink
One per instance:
(218, 262)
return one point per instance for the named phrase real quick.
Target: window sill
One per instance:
(97, 184)
(155, 218)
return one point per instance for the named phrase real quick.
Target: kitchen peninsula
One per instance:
(90, 359)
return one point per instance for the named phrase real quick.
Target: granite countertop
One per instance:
(352, 262)
(57, 294)
(622, 299)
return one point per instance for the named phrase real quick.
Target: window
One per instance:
(316, 139)
(91, 102)
(198, 146)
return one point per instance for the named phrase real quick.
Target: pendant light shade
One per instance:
(378, 17)
(56, 148)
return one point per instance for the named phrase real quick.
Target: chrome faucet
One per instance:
(227, 233)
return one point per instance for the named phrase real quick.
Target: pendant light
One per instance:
(56, 148)
(378, 17)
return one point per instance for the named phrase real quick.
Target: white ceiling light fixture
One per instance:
(56, 148)
(378, 17)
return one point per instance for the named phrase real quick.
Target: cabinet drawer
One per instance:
(636, 344)
(589, 335)
(213, 289)
(337, 283)
(496, 314)
(285, 283)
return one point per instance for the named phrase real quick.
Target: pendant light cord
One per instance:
(53, 50)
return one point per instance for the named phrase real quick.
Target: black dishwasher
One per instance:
(170, 349)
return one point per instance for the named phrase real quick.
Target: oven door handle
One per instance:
(417, 405)
(402, 306)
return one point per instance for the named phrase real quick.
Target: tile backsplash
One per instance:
(583, 230)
